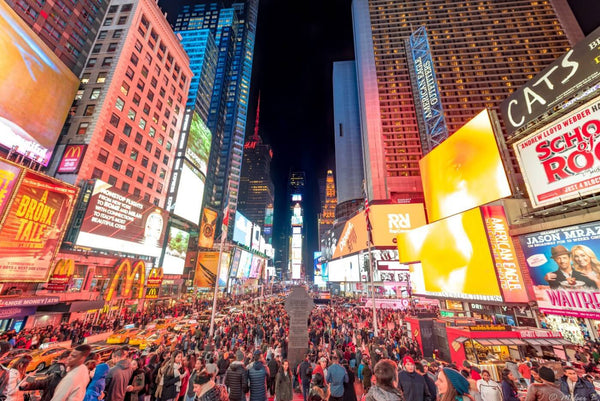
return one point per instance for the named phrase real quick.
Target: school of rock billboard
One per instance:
(565, 270)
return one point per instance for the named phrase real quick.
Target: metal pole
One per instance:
(214, 307)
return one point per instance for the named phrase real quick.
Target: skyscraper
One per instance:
(481, 50)
(327, 216)
(67, 27)
(129, 110)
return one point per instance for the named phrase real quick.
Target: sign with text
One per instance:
(9, 175)
(63, 271)
(71, 159)
(562, 160)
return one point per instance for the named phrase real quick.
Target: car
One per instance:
(122, 336)
(143, 335)
(43, 358)
(157, 338)
(104, 351)
(12, 355)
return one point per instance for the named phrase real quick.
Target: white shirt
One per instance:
(72, 386)
(490, 390)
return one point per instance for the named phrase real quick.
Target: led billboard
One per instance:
(206, 237)
(117, 221)
(9, 176)
(33, 227)
(454, 257)
(561, 161)
(564, 269)
(268, 216)
(256, 237)
(345, 269)
(71, 158)
(177, 245)
(36, 90)
(242, 230)
(465, 171)
(235, 262)
(190, 193)
(224, 272)
(206, 269)
(244, 265)
(198, 145)
(256, 267)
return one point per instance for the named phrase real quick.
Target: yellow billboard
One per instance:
(465, 171)
(206, 269)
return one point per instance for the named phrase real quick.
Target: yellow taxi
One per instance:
(156, 338)
(142, 335)
(122, 336)
(43, 358)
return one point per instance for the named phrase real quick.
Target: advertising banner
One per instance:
(465, 171)
(206, 269)
(268, 216)
(190, 192)
(242, 230)
(31, 124)
(177, 245)
(245, 265)
(9, 175)
(206, 238)
(61, 275)
(198, 145)
(450, 258)
(235, 262)
(561, 80)
(224, 272)
(504, 255)
(33, 228)
(26, 302)
(71, 159)
(153, 282)
(117, 221)
(562, 160)
(256, 237)
(565, 270)
(256, 267)
(345, 269)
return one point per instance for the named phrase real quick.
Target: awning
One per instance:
(499, 341)
(461, 339)
(559, 341)
(539, 341)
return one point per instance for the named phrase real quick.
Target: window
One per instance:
(134, 154)
(82, 129)
(140, 177)
(117, 162)
(144, 72)
(152, 132)
(167, 113)
(122, 146)
(145, 161)
(148, 146)
(153, 82)
(137, 192)
(112, 47)
(138, 138)
(109, 137)
(91, 62)
(96, 48)
(95, 94)
(131, 114)
(97, 173)
(134, 59)
(163, 173)
(113, 9)
(129, 171)
(114, 120)
(141, 85)
(129, 73)
(165, 159)
(153, 168)
(147, 197)
(122, 20)
(107, 61)
(79, 94)
(117, 33)
(126, 7)
(112, 180)
(168, 146)
(146, 109)
(138, 46)
(85, 78)
(161, 139)
(119, 104)
(142, 123)
(102, 34)
(108, 21)
(148, 59)
(103, 155)
(101, 78)
(150, 183)
(125, 88)
(157, 153)
(159, 188)
(127, 130)
(155, 118)
(159, 105)
(125, 186)
(89, 110)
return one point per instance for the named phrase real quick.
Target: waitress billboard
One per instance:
(565, 270)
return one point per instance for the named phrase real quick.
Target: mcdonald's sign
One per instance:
(155, 278)
(71, 159)
(152, 293)
(61, 275)
(139, 268)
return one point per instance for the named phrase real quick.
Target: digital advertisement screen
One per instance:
(256, 267)
(242, 230)
(224, 272)
(206, 238)
(9, 176)
(235, 262)
(256, 237)
(345, 269)
(268, 217)
(190, 193)
(33, 227)
(71, 158)
(206, 269)
(454, 256)
(564, 269)
(245, 265)
(198, 145)
(562, 161)
(464, 171)
(117, 221)
(36, 90)
(177, 245)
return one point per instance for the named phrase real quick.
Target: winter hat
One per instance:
(407, 359)
(547, 374)
(460, 384)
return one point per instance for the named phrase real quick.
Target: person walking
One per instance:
(412, 384)
(420, 368)
(72, 386)
(349, 390)
(189, 391)
(509, 387)
(283, 383)
(236, 379)
(273, 366)
(118, 376)
(336, 377)
(95, 388)
(206, 389)
(169, 377)
(305, 375)
(547, 390)
(452, 386)
(16, 377)
(136, 382)
(258, 374)
(489, 389)
(576, 388)
(386, 375)
(367, 374)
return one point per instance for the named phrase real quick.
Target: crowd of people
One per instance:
(246, 358)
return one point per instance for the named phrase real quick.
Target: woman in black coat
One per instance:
(349, 390)
(284, 383)
(170, 377)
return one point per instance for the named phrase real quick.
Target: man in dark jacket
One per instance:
(236, 379)
(273, 366)
(222, 365)
(118, 376)
(411, 383)
(576, 388)
(258, 374)
(430, 383)
(305, 373)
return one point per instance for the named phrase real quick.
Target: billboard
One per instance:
(206, 269)
(244, 265)
(190, 193)
(9, 175)
(175, 252)
(575, 70)
(61, 275)
(36, 90)
(33, 227)
(564, 269)
(242, 230)
(455, 260)
(465, 171)
(206, 237)
(71, 159)
(387, 221)
(268, 216)
(235, 262)
(198, 144)
(256, 267)
(562, 161)
(117, 221)
(224, 272)
(256, 237)
(345, 269)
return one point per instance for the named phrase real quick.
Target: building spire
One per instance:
(256, 138)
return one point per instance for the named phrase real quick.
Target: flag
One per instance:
(369, 227)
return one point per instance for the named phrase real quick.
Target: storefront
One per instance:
(14, 318)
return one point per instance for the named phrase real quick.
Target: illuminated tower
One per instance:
(327, 216)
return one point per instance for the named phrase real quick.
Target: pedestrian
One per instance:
(546, 390)
(284, 390)
(489, 389)
(258, 375)
(236, 379)
(508, 385)
(189, 390)
(576, 388)
(206, 389)
(386, 376)
(118, 376)
(273, 366)
(95, 388)
(136, 383)
(452, 386)
(222, 365)
(411, 383)
(336, 377)
(525, 371)
(53, 376)
(319, 390)
(304, 373)
(349, 390)
(16, 377)
(169, 376)
(320, 368)
(367, 375)
(72, 386)
(420, 368)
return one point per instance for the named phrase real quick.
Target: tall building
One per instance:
(481, 51)
(69, 28)
(234, 29)
(327, 216)
(129, 110)
(346, 124)
(257, 192)
(294, 221)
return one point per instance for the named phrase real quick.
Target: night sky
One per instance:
(297, 42)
